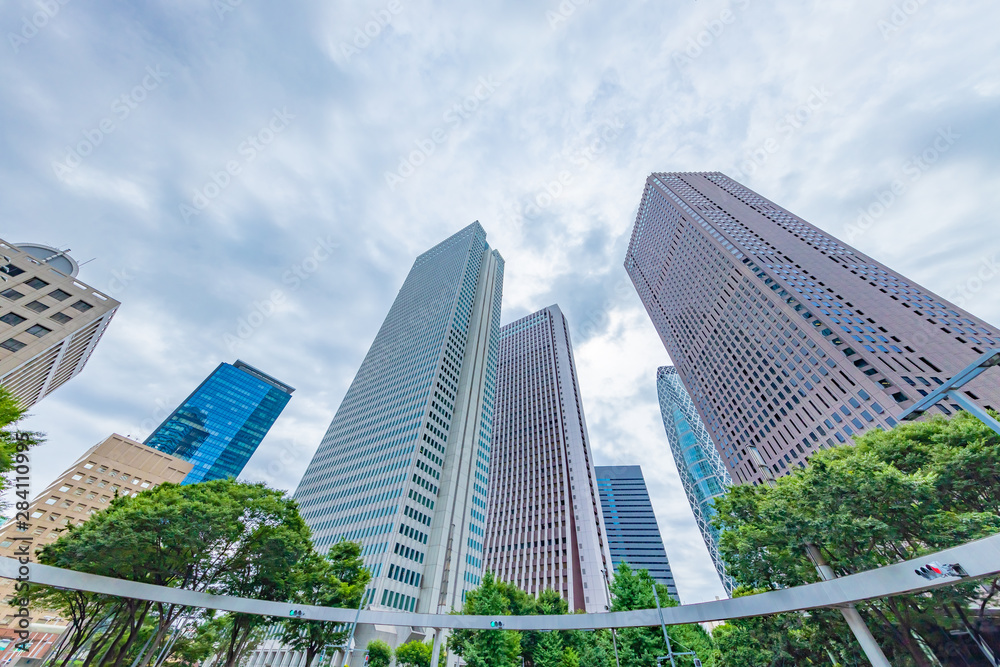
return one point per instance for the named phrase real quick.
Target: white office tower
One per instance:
(404, 466)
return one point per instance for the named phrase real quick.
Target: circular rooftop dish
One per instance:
(54, 257)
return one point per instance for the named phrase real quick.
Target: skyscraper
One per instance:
(50, 322)
(703, 474)
(633, 535)
(404, 466)
(787, 339)
(219, 426)
(544, 527)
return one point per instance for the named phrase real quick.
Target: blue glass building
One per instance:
(703, 474)
(220, 425)
(633, 535)
(404, 466)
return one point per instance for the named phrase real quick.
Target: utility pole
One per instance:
(349, 645)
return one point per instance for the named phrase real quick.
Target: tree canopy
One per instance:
(14, 446)
(892, 496)
(222, 536)
(637, 646)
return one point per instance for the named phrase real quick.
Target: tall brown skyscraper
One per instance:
(545, 528)
(787, 339)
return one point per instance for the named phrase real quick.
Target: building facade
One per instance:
(219, 426)
(702, 472)
(787, 339)
(50, 322)
(404, 465)
(633, 534)
(544, 528)
(117, 465)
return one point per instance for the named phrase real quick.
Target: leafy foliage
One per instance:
(633, 589)
(636, 646)
(335, 580)
(488, 648)
(14, 443)
(223, 537)
(379, 653)
(892, 496)
(417, 654)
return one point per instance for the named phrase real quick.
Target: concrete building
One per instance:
(115, 466)
(50, 322)
(220, 425)
(544, 526)
(702, 472)
(633, 534)
(404, 466)
(787, 339)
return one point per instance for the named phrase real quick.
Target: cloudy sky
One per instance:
(207, 155)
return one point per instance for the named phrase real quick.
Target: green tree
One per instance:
(379, 653)
(335, 580)
(549, 650)
(14, 446)
(633, 589)
(892, 496)
(219, 537)
(570, 658)
(487, 648)
(416, 654)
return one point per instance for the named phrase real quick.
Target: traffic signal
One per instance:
(697, 662)
(936, 570)
(497, 625)
(296, 613)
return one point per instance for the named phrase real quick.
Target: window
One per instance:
(82, 306)
(59, 295)
(11, 294)
(11, 270)
(37, 306)
(38, 330)
(61, 318)
(51, 501)
(36, 283)
(13, 319)
(12, 344)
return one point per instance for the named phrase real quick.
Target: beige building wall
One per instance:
(117, 465)
(50, 322)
